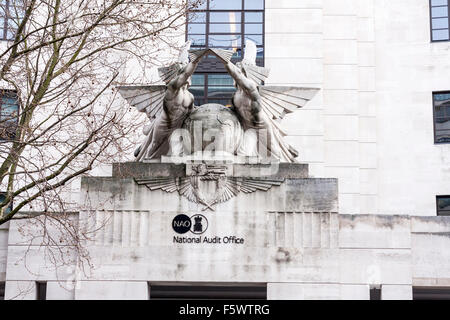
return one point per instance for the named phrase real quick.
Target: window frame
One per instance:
(206, 98)
(211, 66)
(206, 291)
(431, 22)
(12, 94)
(2, 290)
(7, 17)
(434, 116)
(437, 206)
(242, 34)
(41, 290)
(431, 293)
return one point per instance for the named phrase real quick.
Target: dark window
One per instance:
(2, 291)
(441, 105)
(375, 293)
(443, 205)
(9, 110)
(440, 20)
(226, 25)
(2, 198)
(11, 13)
(431, 293)
(212, 88)
(191, 291)
(41, 288)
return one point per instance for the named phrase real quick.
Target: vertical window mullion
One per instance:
(243, 31)
(5, 23)
(205, 94)
(448, 19)
(208, 20)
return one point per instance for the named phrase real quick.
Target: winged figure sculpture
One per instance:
(258, 108)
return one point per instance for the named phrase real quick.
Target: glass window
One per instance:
(430, 293)
(254, 28)
(226, 25)
(440, 20)
(2, 291)
(9, 111)
(253, 17)
(11, 12)
(197, 17)
(182, 291)
(41, 290)
(224, 28)
(443, 205)
(225, 5)
(212, 88)
(197, 28)
(441, 102)
(225, 17)
(229, 40)
(254, 4)
(2, 198)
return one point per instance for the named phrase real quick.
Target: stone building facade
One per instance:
(374, 142)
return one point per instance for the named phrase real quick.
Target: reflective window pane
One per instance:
(439, 23)
(254, 28)
(254, 4)
(220, 80)
(253, 17)
(198, 80)
(197, 17)
(215, 91)
(226, 17)
(9, 112)
(440, 34)
(439, 2)
(260, 53)
(196, 28)
(225, 5)
(255, 38)
(443, 205)
(438, 12)
(198, 40)
(224, 28)
(199, 4)
(197, 91)
(233, 41)
(443, 136)
(442, 117)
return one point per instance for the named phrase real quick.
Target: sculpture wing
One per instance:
(166, 184)
(224, 55)
(255, 73)
(276, 102)
(183, 58)
(250, 52)
(246, 185)
(148, 99)
(170, 185)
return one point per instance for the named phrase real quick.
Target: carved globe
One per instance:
(215, 128)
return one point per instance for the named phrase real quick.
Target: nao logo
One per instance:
(197, 224)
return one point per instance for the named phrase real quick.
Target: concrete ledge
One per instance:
(150, 170)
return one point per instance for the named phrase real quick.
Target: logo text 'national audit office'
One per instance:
(197, 224)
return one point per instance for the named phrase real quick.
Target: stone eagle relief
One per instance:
(209, 185)
(250, 129)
